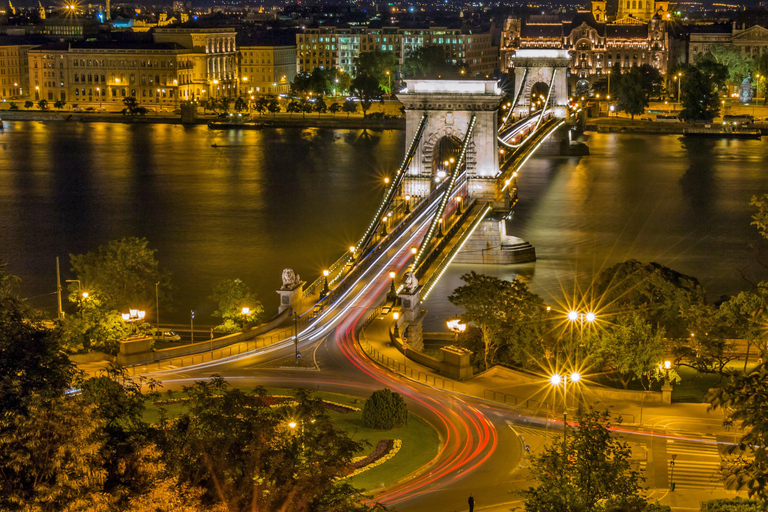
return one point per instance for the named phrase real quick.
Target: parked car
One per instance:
(77, 109)
(667, 119)
(90, 109)
(166, 336)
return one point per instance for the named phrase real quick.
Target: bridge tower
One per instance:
(535, 71)
(449, 106)
(439, 114)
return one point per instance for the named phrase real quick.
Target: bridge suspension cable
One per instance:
(544, 110)
(446, 195)
(368, 236)
(517, 98)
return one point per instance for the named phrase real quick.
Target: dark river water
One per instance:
(264, 200)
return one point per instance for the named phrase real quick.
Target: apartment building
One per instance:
(329, 47)
(14, 77)
(266, 69)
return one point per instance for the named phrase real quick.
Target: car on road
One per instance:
(77, 109)
(90, 109)
(166, 335)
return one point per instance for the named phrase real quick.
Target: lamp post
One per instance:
(324, 291)
(457, 327)
(396, 317)
(296, 337)
(133, 316)
(392, 291)
(679, 78)
(556, 379)
(609, 84)
(192, 325)
(245, 312)
(757, 89)
(389, 83)
(407, 204)
(157, 304)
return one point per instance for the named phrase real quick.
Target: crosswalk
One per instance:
(696, 463)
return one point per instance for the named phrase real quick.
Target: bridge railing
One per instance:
(397, 365)
(349, 278)
(438, 244)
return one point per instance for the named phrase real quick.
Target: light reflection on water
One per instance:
(258, 202)
(264, 200)
(681, 203)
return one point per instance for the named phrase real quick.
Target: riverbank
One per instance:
(281, 120)
(641, 126)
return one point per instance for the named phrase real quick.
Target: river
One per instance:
(260, 201)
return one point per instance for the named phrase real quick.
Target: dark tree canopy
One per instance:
(699, 97)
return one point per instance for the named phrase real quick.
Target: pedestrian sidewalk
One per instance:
(540, 399)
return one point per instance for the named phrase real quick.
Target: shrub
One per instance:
(385, 410)
(734, 505)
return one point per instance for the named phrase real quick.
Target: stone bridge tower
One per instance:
(449, 106)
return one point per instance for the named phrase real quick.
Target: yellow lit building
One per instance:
(159, 75)
(267, 69)
(14, 79)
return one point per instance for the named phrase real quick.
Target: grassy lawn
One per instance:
(420, 440)
(693, 386)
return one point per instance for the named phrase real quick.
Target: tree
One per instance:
(12, 105)
(366, 88)
(653, 82)
(508, 315)
(320, 106)
(744, 402)
(59, 104)
(385, 410)
(225, 103)
(718, 73)
(657, 292)
(51, 458)
(123, 274)
(294, 106)
(240, 104)
(274, 106)
(350, 107)
(427, 61)
(31, 359)
(707, 350)
(42, 104)
(247, 456)
(731, 58)
(261, 105)
(28, 104)
(132, 107)
(95, 327)
(699, 98)
(588, 471)
(335, 108)
(631, 95)
(745, 318)
(632, 348)
(376, 64)
(231, 296)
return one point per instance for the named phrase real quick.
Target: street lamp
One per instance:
(392, 291)
(457, 327)
(556, 379)
(407, 204)
(245, 312)
(324, 291)
(133, 316)
(609, 84)
(389, 83)
(98, 91)
(396, 317)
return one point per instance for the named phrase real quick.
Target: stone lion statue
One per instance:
(290, 279)
(410, 283)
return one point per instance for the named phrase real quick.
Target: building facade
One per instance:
(267, 69)
(14, 66)
(213, 57)
(158, 75)
(334, 47)
(750, 41)
(594, 46)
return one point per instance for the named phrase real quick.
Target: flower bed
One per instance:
(272, 401)
(385, 450)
